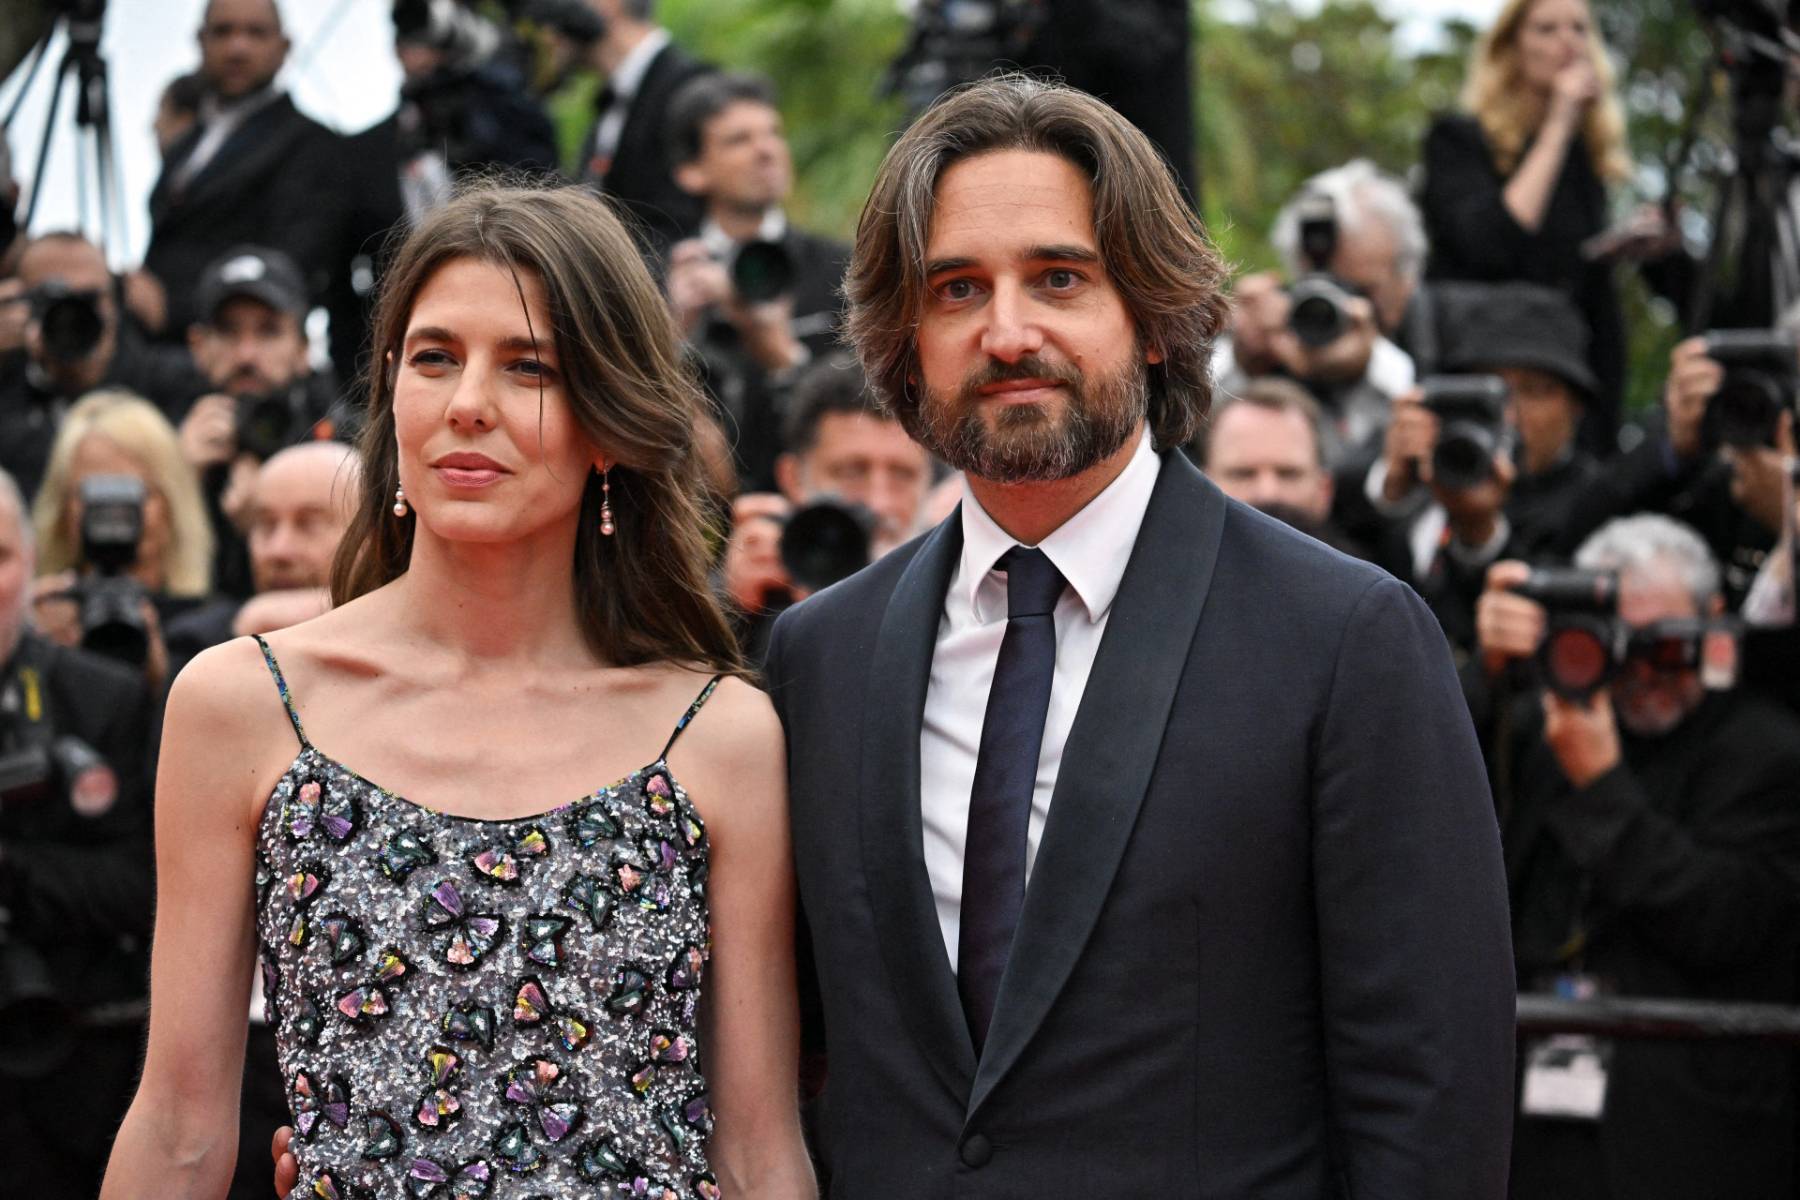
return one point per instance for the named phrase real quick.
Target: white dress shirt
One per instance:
(1091, 550)
(624, 83)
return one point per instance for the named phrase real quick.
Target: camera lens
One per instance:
(1463, 457)
(826, 541)
(71, 328)
(1576, 661)
(265, 425)
(1316, 320)
(762, 271)
(1746, 410)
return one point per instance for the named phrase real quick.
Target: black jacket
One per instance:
(640, 176)
(80, 886)
(1263, 950)
(1680, 870)
(270, 184)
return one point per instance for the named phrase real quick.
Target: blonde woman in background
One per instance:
(1516, 184)
(113, 432)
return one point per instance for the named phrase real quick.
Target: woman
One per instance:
(480, 984)
(1515, 188)
(115, 433)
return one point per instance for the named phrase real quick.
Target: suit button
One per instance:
(977, 1151)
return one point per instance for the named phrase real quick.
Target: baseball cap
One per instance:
(255, 271)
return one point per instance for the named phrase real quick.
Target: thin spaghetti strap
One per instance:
(680, 725)
(287, 701)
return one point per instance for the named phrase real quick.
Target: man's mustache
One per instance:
(1029, 367)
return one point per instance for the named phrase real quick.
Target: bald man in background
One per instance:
(299, 506)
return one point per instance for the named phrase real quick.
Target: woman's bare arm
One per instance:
(736, 764)
(179, 1138)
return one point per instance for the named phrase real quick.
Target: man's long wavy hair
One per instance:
(1509, 112)
(1151, 243)
(643, 594)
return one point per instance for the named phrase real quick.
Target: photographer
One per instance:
(1493, 445)
(73, 340)
(251, 344)
(840, 446)
(1713, 457)
(123, 540)
(1652, 833)
(755, 296)
(1352, 245)
(463, 107)
(76, 884)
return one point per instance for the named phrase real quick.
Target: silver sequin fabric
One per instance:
(469, 1008)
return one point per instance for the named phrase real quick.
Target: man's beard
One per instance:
(1030, 443)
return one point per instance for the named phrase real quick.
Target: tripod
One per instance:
(96, 165)
(1752, 270)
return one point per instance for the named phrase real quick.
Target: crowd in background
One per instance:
(1433, 382)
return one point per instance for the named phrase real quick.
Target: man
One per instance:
(253, 170)
(75, 889)
(250, 342)
(626, 153)
(1265, 447)
(74, 340)
(1653, 847)
(297, 510)
(840, 445)
(755, 296)
(1107, 890)
(1357, 227)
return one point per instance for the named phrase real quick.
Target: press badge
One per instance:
(1565, 1075)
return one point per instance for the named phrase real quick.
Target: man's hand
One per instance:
(1584, 737)
(1406, 447)
(1759, 475)
(753, 555)
(268, 611)
(695, 282)
(55, 612)
(1693, 379)
(15, 314)
(1508, 626)
(209, 431)
(1259, 313)
(287, 1171)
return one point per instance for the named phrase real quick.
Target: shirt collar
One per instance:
(625, 81)
(214, 106)
(721, 245)
(1091, 548)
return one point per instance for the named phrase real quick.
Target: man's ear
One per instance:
(196, 338)
(690, 177)
(787, 476)
(1153, 356)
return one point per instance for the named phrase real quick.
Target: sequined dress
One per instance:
(471, 1008)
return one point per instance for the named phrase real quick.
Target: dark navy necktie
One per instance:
(1012, 732)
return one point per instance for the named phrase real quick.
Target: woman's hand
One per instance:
(1576, 87)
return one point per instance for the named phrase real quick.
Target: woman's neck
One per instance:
(496, 600)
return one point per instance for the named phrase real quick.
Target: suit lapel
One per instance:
(252, 145)
(1111, 750)
(893, 851)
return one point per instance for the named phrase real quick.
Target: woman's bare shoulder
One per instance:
(733, 755)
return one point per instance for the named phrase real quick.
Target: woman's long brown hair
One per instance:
(642, 595)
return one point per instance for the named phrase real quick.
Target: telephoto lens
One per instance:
(825, 541)
(1471, 413)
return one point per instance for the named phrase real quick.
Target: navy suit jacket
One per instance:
(1264, 951)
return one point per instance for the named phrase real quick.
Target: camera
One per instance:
(1319, 311)
(270, 423)
(69, 319)
(826, 540)
(761, 271)
(1762, 378)
(112, 603)
(1585, 644)
(1471, 413)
